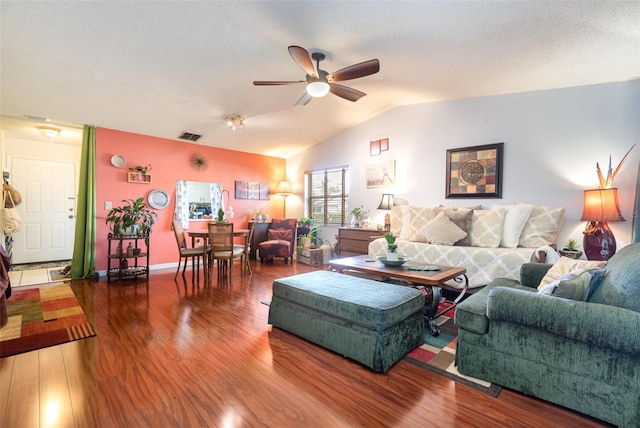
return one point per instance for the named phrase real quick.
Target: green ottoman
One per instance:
(371, 322)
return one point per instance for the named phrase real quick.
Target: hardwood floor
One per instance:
(178, 355)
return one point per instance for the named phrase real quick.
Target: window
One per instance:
(326, 200)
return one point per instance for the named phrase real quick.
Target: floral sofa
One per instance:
(489, 243)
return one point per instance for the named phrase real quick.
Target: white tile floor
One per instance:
(29, 277)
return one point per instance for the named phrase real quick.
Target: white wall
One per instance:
(552, 141)
(33, 149)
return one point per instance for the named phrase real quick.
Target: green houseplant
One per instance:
(133, 218)
(571, 249)
(310, 239)
(220, 216)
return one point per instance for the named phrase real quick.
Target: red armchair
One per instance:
(281, 240)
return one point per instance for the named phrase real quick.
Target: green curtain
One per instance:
(83, 264)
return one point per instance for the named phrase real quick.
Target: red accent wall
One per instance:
(170, 161)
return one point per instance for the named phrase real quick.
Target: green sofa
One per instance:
(584, 355)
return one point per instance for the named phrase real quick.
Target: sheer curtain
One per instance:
(215, 192)
(83, 263)
(182, 203)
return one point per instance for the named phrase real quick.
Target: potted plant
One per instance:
(310, 239)
(142, 169)
(392, 247)
(133, 218)
(305, 222)
(220, 216)
(356, 216)
(141, 172)
(571, 249)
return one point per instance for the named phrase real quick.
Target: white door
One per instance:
(48, 209)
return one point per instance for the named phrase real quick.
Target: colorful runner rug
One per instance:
(438, 354)
(42, 316)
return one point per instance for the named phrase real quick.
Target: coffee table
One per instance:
(434, 280)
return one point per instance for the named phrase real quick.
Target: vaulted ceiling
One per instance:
(162, 68)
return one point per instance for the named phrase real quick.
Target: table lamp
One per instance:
(600, 206)
(385, 204)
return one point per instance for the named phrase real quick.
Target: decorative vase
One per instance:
(392, 252)
(355, 220)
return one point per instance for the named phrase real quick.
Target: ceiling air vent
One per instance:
(189, 136)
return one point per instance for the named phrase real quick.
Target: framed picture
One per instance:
(475, 172)
(384, 144)
(381, 174)
(264, 191)
(241, 190)
(374, 148)
(253, 190)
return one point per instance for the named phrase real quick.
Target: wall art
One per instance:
(264, 191)
(475, 172)
(381, 174)
(242, 190)
(253, 190)
(374, 148)
(378, 146)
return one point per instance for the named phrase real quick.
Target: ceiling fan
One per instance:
(318, 82)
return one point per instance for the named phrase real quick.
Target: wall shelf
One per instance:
(137, 177)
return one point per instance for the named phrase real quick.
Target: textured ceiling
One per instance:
(162, 68)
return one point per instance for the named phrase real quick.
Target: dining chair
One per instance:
(186, 252)
(246, 252)
(223, 251)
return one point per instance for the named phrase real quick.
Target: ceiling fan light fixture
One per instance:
(318, 88)
(235, 121)
(48, 131)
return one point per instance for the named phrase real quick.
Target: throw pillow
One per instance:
(280, 235)
(486, 228)
(515, 218)
(541, 227)
(566, 265)
(461, 217)
(400, 221)
(442, 231)
(577, 285)
(418, 218)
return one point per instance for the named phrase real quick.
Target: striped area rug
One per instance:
(43, 316)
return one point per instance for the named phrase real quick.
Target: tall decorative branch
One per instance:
(608, 182)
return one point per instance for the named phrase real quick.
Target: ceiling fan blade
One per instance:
(303, 59)
(304, 99)
(346, 92)
(276, 82)
(354, 71)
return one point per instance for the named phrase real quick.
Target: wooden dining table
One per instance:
(204, 235)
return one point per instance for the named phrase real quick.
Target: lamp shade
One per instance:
(386, 202)
(601, 205)
(284, 188)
